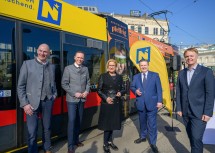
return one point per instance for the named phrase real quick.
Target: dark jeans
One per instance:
(108, 137)
(195, 129)
(45, 109)
(75, 114)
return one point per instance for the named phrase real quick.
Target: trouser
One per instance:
(108, 137)
(195, 129)
(75, 114)
(45, 109)
(148, 124)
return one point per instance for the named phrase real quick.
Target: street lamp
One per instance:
(180, 48)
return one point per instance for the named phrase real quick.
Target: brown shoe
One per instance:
(79, 144)
(48, 151)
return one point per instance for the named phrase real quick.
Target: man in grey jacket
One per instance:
(36, 91)
(76, 83)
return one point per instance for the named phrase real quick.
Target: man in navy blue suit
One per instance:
(147, 88)
(195, 98)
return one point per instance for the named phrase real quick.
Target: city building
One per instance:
(206, 55)
(91, 9)
(157, 29)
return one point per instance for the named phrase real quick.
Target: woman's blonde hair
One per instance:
(111, 60)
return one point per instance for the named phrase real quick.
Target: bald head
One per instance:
(43, 52)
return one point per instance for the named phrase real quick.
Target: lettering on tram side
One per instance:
(50, 11)
(23, 3)
(118, 29)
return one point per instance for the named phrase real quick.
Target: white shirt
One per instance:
(76, 65)
(142, 75)
(190, 73)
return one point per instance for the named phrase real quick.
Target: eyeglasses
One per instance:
(112, 65)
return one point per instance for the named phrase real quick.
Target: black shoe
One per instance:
(113, 146)
(71, 151)
(106, 148)
(154, 148)
(79, 144)
(139, 140)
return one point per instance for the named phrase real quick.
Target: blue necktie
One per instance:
(144, 80)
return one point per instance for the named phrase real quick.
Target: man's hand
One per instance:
(138, 92)
(159, 105)
(179, 113)
(205, 118)
(84, 95)
(78, 95)
(28, 109)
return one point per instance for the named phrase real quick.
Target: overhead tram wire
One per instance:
(157, 13)
(146, 5)
(190, 4)
(171, 4)
(194, 37)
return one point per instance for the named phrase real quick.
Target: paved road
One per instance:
(168, 141)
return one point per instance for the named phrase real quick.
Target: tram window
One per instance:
(33, 36)
(93, 60)
(7, 65)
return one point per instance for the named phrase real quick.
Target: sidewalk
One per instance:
(167, 142)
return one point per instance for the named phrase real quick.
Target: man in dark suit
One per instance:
(36, 91)
(195, 98)
(76, 83)
(147, 88)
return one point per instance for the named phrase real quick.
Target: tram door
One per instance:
(94, 61)
(32, 36)
(7, 85)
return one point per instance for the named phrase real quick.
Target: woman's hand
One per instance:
(118, 94)
(109, 100)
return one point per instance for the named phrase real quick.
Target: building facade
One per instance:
(147, 26)
(207, 58)
(156, 29)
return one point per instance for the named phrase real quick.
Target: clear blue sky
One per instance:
(191, 21)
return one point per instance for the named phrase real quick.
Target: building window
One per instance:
(200, 60)
(206, 59)
(161, 31)
(155, 31)
(139, 29)
(146, 30)
(86, 8)
(132, 28)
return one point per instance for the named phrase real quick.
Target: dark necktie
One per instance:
(144, 80)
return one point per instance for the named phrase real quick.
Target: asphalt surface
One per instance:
(171, 139)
